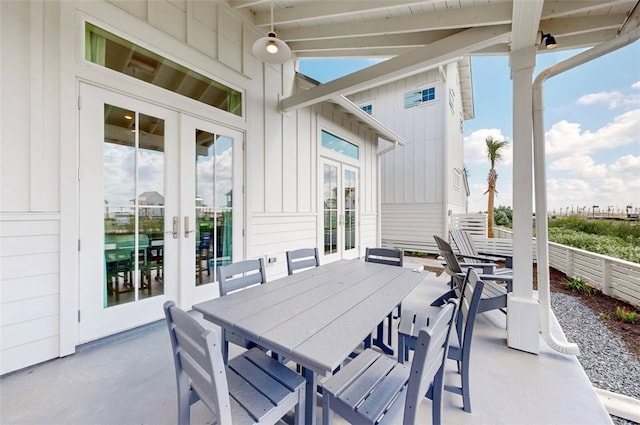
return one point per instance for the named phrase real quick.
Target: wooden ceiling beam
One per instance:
(475, 16)
(525, 19)
(375, 41)
(313, 10)
(405, 64)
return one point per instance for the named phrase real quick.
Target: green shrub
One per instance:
(625, 315)
(601, 244)
(579, 285)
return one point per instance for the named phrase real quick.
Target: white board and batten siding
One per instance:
(411, 226)
(417, 179)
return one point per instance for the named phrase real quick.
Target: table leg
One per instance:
(378, 341)
(310, 396)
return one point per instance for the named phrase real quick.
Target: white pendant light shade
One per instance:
(271, 49)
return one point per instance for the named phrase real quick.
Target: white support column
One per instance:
(522, 308)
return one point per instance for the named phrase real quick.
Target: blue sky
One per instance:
(592, 127)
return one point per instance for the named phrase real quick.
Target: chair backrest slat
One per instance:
(469, 305)
(198, 362)
(391, 257)
(427, 367)
(452, 266)
(242, 274)
(302, 259)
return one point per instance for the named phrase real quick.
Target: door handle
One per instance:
(186, 227)
(175, 231)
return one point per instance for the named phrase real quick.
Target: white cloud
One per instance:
(475, 148)
(578, 173)
(580, 166)
(565, 138)
(613, 99)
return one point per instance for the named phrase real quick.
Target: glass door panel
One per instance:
(350, 210)
(129, 165)
(211, 201)
(340, 210)
(133, 175)
(330, 202)
(213, 204)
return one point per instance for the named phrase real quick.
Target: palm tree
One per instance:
(494, 155)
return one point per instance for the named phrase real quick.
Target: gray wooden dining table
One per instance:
(315, 318)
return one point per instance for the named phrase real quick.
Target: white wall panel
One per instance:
(273, 160)
(27, 287)
(230, 39)
(15, 97)
(28, 354)
(202, 37)
(411, 226)
(28, 331)
(29, 309)
(169, 17)
(134, 8)
(305, 161)
(290, 164)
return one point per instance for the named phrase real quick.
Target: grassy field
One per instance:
(613, 238)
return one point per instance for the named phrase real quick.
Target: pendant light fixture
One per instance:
(271, 49)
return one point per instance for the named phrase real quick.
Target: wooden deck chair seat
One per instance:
(375, 389)
(234, 277)
(390, 257)
(252, 389)
(494, 295)
(460, 343)
(302, 259)
(466, 247)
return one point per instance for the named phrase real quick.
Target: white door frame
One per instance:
(341, 166)
(179, 256)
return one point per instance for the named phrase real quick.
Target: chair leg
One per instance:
(401, 349)
(466, 393)
(299, 411)
(224, 346)
(436, 397)
(327, 414)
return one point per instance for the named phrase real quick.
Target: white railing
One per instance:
(614, 277)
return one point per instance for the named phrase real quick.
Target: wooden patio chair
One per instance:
(375, 389)
(390, 257)
(252, 389)
(234, 277)
(466, 247)
(494, 296)
(302, 259)
(460, 345)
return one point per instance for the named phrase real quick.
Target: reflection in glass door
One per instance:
(213, 204)
(133, 183)
(128, 211)
(340, 210)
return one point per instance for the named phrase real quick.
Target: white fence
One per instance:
(614, 277)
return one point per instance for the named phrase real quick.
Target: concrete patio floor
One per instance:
(129, 379)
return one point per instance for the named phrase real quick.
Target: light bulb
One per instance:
(272, 47)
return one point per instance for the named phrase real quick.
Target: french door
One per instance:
(340, 203)
(156, 209)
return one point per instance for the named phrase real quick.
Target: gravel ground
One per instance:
(603, 356)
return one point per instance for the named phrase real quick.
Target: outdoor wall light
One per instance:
(549, 41)
(271, 49)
